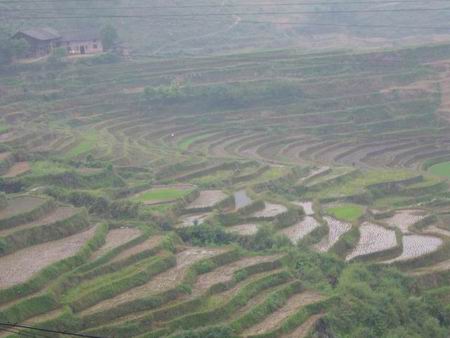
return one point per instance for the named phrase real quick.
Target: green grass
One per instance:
(185, 144)
(88, 142)
(42, 168)
(358, 184)
(3, 127)
(162, 194)
(346, 212)
(441, 169)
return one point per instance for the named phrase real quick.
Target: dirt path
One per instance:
(21, 265)
(276, 318)
(303, 330)
(162, 282)
(17, 169)
(115, 238)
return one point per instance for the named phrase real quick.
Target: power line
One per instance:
(230, 5)
(430, 27)
(265, 13)
(10, 325)
(304, 3)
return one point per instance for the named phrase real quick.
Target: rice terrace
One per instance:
(224, 169)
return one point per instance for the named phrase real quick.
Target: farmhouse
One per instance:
(40, 40)
(80, 43)
(43, 40)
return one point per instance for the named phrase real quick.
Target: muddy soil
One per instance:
(149, 244)
(56, 215)
(304, 329)
(276, 318)
(415, 246)
(374, 238)
(270, 210)
(17, 169)
(403, 219)
(296, 232)
(21, 265)
(248, 229)
(191, 220)
(336, 230)
(20, 205)
(207, 199)
(307, 207)
(115, 238)
(225, 273)
(162, 282)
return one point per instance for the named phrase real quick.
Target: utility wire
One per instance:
(10, 325)
(221, 6)
(9, 17)
(158, 15)
(242, 4)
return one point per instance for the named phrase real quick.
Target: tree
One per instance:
(11, 48)
(109, 36)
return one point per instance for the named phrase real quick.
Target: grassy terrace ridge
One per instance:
(131, 194)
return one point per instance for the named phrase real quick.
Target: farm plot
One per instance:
(416, 245)
(57, 215)
(336, 230)
(149, 244)
(247, 229)
(374, 238)
(276, 318)
(241, 199)
(304, 329)
(17, 169)
(307, 207)
(115, 238)
(162, 282)
(441, 169)
(191, 220)
(21, 265)
(207, 199)
(20, 205)
(270, 210)
(163, 194)
(298, 231)
(403, 219)
(226, 272)
(346, 212)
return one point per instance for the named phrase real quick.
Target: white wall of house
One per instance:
(83, 47)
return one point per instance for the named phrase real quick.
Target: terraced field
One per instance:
(263, 194)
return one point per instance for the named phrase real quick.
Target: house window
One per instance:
(95, 46)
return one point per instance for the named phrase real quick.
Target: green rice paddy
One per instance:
(346, 212)
(441, 169)
(161, 194)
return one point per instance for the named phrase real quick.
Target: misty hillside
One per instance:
(192, 27)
